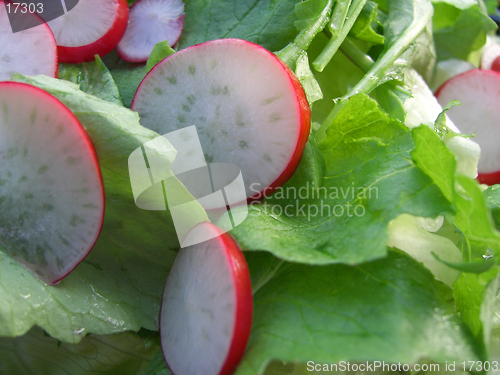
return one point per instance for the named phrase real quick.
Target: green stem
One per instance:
(334, 43)
(339, 16)
(291, 52)
(379, 69)
(320, 134)
(357, 57)
(363, 62)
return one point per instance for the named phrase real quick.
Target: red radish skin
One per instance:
(151, 22)
(496, 65)
(305, 116)
(39, 50)
(241, 282)
(80, 141)
(489, 178)
(144, 103)
(75, 54)
(479, 92)
(244, 307)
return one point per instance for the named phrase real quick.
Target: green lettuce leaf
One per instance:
(160, 51)
(37, 353)
(126, 75)
(118, 286)
(475, 301)
(432, 156)
(333, 85)
(369, 180)
(458, 33)
(363, 27)
(387, 310)
(407, 234)
(491, 6)
(158, 366)
(93, 78)
(492, 197)
(473, 217)
(312, 15)
(307, 80)
(265, 22)
(406, 21)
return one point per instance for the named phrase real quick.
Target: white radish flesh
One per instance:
(32, 51)
(248, 108)
(206, 313)
(151, 22)
(51, 191)
(92, 27)
(479, 94)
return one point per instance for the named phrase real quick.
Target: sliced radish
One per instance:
(479, 93)
(248, 107)
(490, 59)
(32, 51)
(51, 191)
(206, 312)
(92, 27)
(151, 22)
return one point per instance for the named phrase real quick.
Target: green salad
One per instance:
(403, 267)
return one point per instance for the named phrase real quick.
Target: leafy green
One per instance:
(391, 96)
(118, 286)
(475, 300)
(265, 22)
(491, 6)
(473, 217)
(406, 20)
(386, 310)
(492, 197)
(113, 290)
(160, 51)
(158, 366)
(334, 43)
(333, 85)
(460, 35)
(307, 80)
(407, 234)
(432, 156)
(93, 78)
(313, 15)
(363, 27)
(368, 168)
(37, 353)
(478, 266)
(126, 75)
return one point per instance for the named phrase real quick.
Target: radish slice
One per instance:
(479, 93)
(92, 27)
(151, 22)
(490, 59)
(32, 51)
(248, 107)
(51, 191)
(206, 312)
